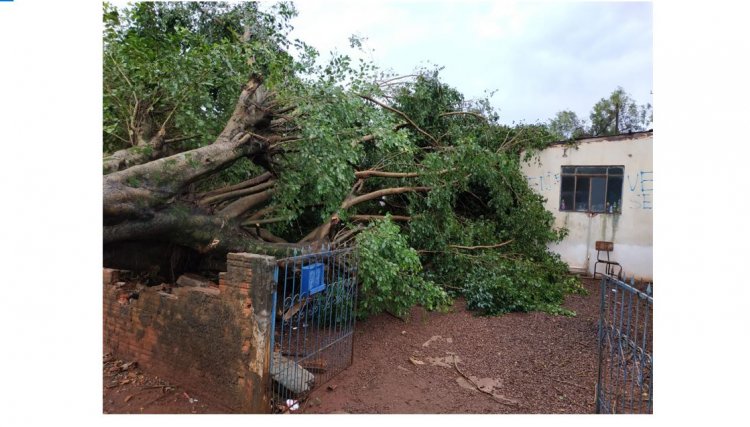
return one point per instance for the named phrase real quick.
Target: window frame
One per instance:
(606, 175)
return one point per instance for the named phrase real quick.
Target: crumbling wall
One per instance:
(214, 338)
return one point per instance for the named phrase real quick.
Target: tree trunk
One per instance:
(144, 195)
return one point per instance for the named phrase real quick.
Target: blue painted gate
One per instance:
(312, 336)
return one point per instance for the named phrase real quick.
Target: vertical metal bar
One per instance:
(273, 329)
(611, 333)
(281, 335)
(601, 345)
(626, 363)
(297, 332)
(644, 347)
(637, 373)
(330, 329)
(288, 323)
(355, 291)
(333, 290)
(346, 316)
(620, 353)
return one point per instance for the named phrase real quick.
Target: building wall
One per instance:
(214, 338)
(631, 230)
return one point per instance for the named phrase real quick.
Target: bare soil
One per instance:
(453, 362)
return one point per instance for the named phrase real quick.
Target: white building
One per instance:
(600, 189)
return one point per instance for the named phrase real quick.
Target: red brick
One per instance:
(111, 276)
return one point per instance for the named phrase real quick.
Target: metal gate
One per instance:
(314, 307)
(625, 383)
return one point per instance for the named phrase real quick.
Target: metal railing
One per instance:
(625, 381)
(312, 336)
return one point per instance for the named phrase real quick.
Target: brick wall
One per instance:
(214, 339)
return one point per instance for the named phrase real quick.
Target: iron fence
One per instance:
(625, 381)
(314, 307)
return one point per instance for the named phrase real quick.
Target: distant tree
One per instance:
(567, 125)
(619, 114)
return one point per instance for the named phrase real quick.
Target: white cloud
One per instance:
(541, 57)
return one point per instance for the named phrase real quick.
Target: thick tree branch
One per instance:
(239, 207)
(237, 193)
(369, 173)
(201, 232)
(481, 246)
(380, 193)
(244, 184)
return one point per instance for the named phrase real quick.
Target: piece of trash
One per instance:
(127, 399)
(190, 399)
(415, 361)
(332, 387)
(403, 332)
(293, 405)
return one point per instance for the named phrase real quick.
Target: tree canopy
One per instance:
(218, 138)
(613, 115)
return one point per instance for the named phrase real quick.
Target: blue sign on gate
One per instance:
(312, 279)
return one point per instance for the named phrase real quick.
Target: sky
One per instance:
(539, 57)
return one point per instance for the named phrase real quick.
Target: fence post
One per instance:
(601, 336)
(250, 277)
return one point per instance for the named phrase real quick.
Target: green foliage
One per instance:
(391, 274)
(610, 116)
(183, 65)
(567, 125)
(619, 114)
(521, 284)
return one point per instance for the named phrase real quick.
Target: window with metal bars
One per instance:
(591, 189)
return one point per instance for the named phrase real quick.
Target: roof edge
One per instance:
(622, 136)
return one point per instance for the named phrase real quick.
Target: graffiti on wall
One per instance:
(544, 183)
(640, 185)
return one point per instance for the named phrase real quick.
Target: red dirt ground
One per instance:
(436, 363)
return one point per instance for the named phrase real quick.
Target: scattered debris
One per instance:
(445, 362)
(194, 280)
(484, 385)
(295, 309)
(332, 387)
(190, 399)
(415, 361)
(403, 332)
(292, 404)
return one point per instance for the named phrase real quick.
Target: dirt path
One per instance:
(524, 363)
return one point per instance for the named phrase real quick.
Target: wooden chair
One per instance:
(610, 265)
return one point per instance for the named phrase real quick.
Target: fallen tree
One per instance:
(300, 154)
